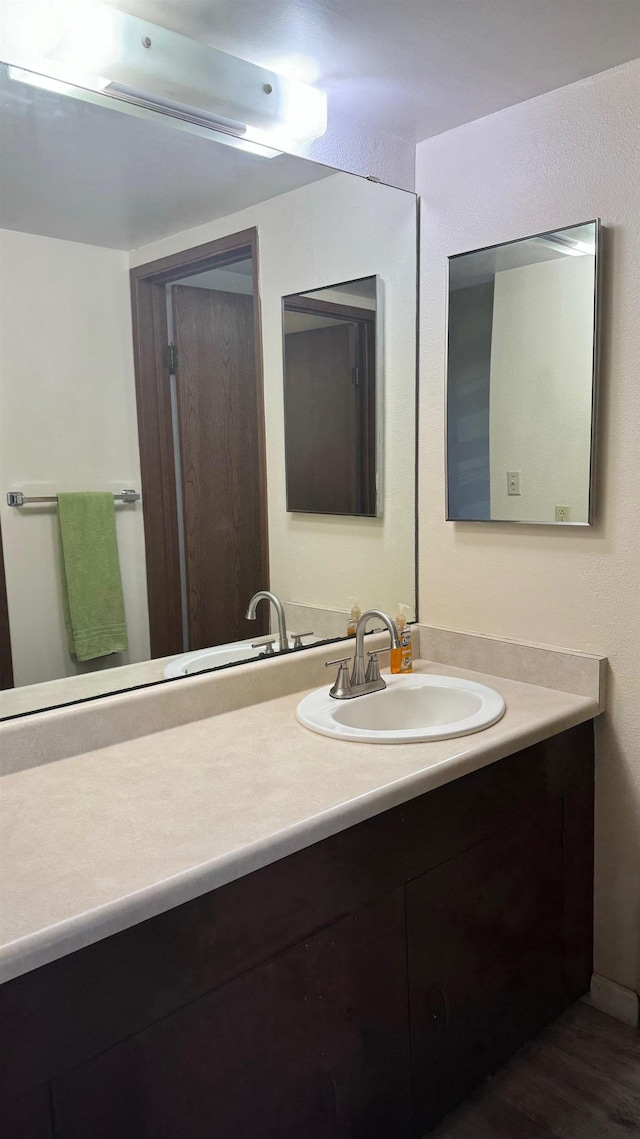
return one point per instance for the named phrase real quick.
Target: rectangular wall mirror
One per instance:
(521, 379)
(145, 266)
(332, 413)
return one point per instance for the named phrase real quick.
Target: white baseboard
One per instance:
(615, 1000)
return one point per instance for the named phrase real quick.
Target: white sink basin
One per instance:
(202, 659)
(411, 709)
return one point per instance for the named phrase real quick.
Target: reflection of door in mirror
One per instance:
(201, 430)
(330, 400)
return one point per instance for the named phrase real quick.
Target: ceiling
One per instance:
(415, 68)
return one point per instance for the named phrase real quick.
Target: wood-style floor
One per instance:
(579, 1080)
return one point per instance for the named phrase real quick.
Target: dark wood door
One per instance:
(322, 421)
(312, 1045)
(6, 661)
(219, 418)
(485, 952)
(156, 434)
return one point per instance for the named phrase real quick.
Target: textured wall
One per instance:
(360, 149)
(560, 159)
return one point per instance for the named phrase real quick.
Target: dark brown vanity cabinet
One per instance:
(485, 953)
(359, 988)
(28, 1117)
(313, 1043)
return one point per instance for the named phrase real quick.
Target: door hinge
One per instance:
(170, 359)
(355, 377)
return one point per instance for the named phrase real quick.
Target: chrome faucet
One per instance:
(265, 595)
(360, 682)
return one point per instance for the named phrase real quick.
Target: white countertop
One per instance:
(95, 843)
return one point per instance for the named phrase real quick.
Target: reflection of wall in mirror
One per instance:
(337, 229)
(68, 423)
(541, 389)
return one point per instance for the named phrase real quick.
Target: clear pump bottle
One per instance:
(354, 617)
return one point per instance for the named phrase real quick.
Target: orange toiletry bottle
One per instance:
(402, 659)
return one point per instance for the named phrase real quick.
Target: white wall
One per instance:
(68, 422)
(540, 382)
(567, 156)
(363, 149)
(335, 230)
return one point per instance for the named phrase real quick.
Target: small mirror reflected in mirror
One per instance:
(330, 398)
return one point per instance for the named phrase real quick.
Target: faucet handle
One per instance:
(342, 688)
(267, 645)
(297, 639)
(373, 669)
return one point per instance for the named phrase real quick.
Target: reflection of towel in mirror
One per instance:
(91, 581)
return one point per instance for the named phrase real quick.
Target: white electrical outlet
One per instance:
(563, 513)
(513, 482)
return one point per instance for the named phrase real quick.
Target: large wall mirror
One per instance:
(521, 379)
(145, 269)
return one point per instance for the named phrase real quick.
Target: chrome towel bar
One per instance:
(17, 498)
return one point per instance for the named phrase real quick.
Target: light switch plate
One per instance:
(513, 482)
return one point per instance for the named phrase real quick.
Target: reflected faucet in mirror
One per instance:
(362, 683)
(266, 595)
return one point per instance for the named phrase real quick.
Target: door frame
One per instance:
(155, 430)
(6, 659)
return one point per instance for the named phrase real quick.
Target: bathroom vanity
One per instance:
(427, 909)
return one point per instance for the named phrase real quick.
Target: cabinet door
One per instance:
(28, 1117)
(313, 1043)
(485, 953)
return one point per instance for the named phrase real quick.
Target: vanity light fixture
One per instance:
(98, 52)
(139, 108)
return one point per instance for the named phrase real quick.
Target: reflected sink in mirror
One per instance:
(201, 661)
(411, 709)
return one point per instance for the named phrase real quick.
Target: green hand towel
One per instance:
(91, 581)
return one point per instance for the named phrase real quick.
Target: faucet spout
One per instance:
(359, 678)
(266, 595)
(380, 616)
